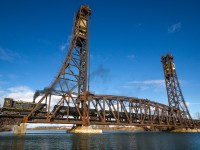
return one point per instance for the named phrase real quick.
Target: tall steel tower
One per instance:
(70, 85)
(175, 96)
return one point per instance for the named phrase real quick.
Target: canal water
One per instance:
(109, 140)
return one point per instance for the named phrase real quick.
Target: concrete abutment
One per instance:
(20, 129)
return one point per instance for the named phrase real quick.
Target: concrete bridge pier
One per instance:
(20, 129)
(85, 129)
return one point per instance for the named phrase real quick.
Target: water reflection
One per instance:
(18, 141)
(82, 141)
(11, 141)
(104, 141)
(108, 140)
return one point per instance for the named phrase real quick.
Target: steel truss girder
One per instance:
(119, 110)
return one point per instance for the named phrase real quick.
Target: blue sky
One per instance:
(127, 39)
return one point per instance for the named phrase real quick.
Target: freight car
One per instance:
(21, 108)
(71, 111)
(93, 114)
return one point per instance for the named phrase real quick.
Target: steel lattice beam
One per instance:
(119, 110)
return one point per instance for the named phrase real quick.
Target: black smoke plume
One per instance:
(40, 92)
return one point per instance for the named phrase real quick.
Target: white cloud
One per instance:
(127, 86)
(8, 55)
(63, 46)
(174, 28)
(149, 82)
(157, 85)
(188, 103)
(20, 93)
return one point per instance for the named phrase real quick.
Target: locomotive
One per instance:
(21, 108)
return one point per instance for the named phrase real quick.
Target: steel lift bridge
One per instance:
(75, 104)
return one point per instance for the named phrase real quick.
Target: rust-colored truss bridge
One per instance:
(68, 99)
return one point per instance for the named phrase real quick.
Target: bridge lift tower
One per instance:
(70, 85)
(175, 97)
